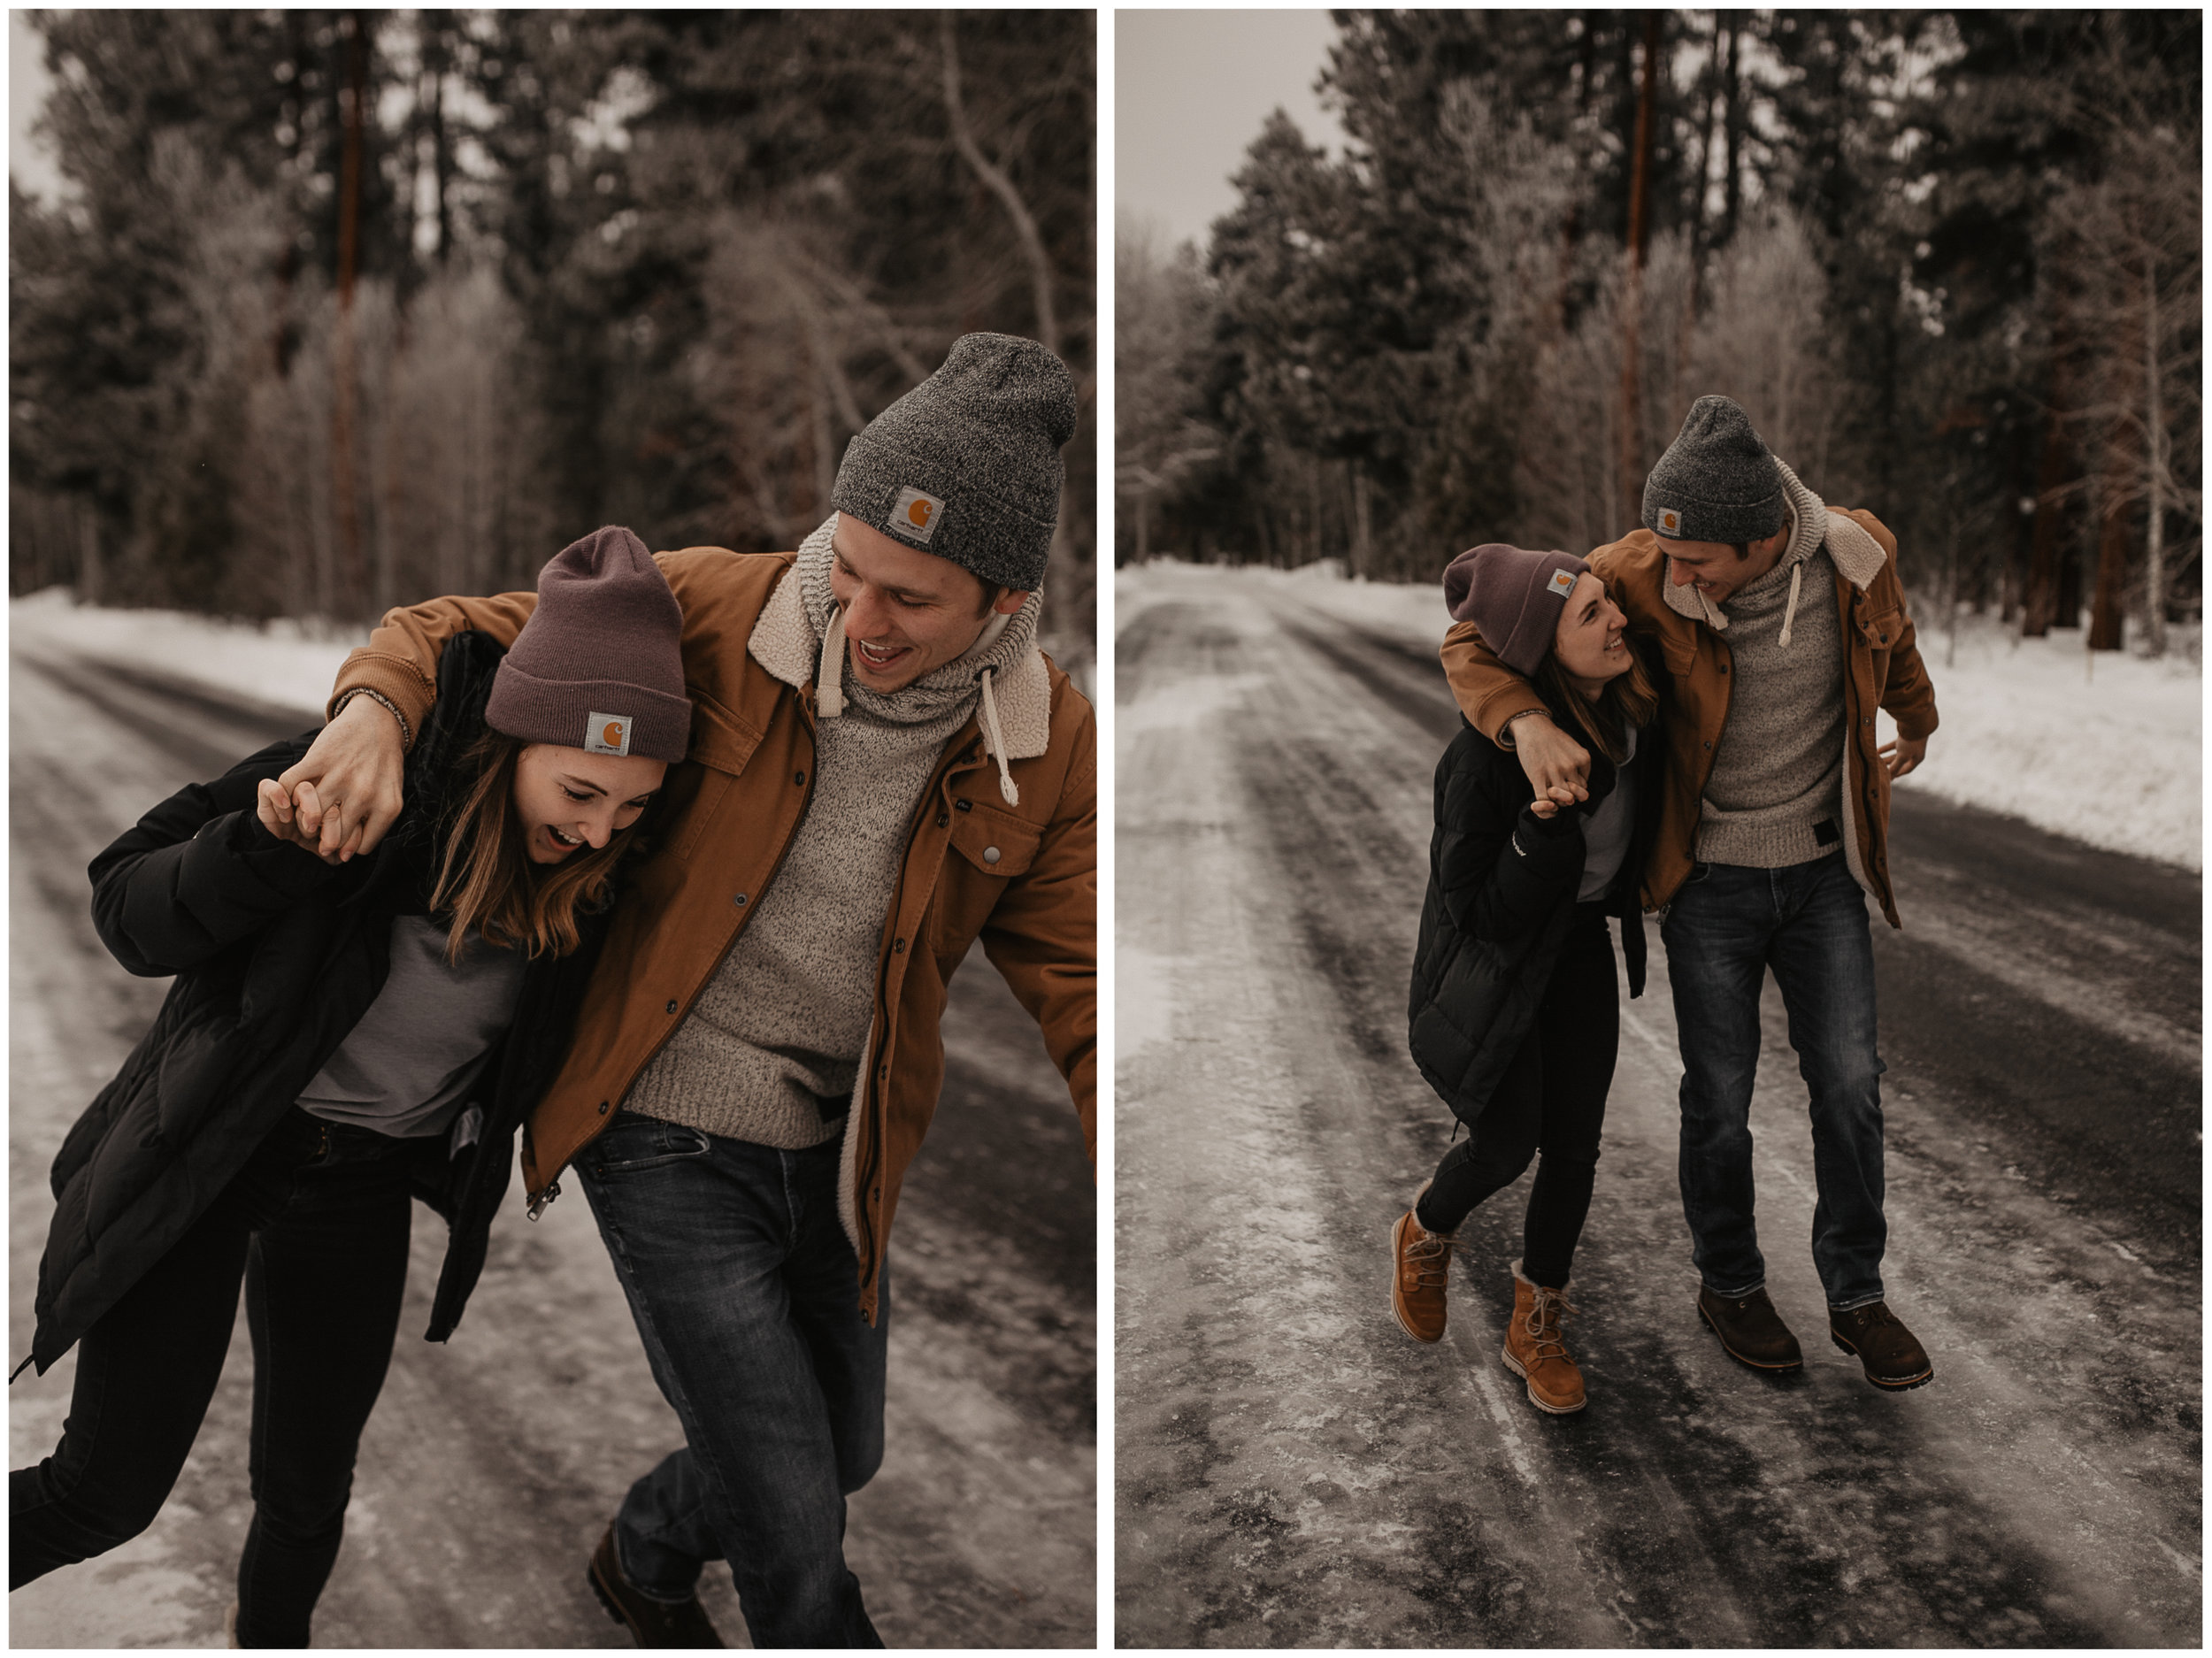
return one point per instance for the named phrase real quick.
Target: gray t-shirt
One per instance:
(1605, 835)
(404, 1069)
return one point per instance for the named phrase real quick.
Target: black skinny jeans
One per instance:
(316, 1225)
(1552, 1099)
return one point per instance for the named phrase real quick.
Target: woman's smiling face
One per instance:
(567, 799)
(1592, 639)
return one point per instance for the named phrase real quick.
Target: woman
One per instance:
(1514, 1014)
(343, 1031)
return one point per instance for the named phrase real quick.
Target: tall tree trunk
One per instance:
(2155, 469)
(352, 598)
(2040, 603)
(2107, 614)
(1631, 480)
(1732, 97)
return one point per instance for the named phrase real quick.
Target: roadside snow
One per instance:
(284, 663)
(2108, 751)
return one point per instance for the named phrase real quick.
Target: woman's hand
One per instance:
(1548, 804)
(285, 817)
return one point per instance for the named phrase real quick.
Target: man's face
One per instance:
(907, 612)
(1713, 567)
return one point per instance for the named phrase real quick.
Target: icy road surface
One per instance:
(1291, 1470)
(493, 1462)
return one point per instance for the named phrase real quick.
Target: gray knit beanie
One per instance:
(1514, 597)
(599, 666)
(1716, 482)
(967, 464)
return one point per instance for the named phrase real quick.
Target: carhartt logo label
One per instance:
(914, 515)
(1670, 521)
(1563, 582)
(607, 733)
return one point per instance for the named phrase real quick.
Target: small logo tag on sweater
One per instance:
(914, 515)
(1563, 582)
(1670, 521)
(1825, 833)
(606, 734)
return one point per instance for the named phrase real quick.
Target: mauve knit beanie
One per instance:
(599, 666)
(967, 464)
(1716, 482)
(1514, 597)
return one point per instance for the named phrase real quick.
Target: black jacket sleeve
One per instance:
(1501, 871)
(198, 872)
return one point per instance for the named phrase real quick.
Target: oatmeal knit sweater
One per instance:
(1775, 795)
(772, 1049)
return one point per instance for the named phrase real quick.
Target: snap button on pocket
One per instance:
(990, 854)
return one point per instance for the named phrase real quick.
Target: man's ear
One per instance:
(1010, 601)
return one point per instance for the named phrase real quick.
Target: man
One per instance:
(883, 768)
(1781, 627)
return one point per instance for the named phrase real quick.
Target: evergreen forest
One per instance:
(1950, 261)
(338, 310)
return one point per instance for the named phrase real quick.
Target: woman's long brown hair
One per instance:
(1628, 700)
(487, 880)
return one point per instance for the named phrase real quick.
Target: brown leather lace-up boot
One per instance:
(1536, 1351)
(1878, 1339)
(1421, 1266)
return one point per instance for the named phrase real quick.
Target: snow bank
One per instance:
(286, 663)
(2108, 751)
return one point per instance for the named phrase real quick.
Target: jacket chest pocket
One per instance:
(1679, 652)
(989, 848)
(1878, 632)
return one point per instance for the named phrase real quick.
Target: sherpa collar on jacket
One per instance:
(784, 642)
(1855, 554)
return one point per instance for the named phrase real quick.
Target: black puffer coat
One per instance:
(1501, 897)
(277, 956)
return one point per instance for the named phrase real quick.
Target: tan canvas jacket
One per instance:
(1882, 669)
(1022, 878)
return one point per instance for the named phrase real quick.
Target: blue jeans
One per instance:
(1726, 926)
(746, 1293)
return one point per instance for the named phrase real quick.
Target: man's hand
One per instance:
(280, 813)
(1558, 767)
(1901, 755)
(355, 769)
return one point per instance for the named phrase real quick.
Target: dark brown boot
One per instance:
(652, 1623)
(1884, 1345)
(1750, 1331)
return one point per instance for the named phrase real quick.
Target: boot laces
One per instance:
(1430, 1254)
(1548, 1312)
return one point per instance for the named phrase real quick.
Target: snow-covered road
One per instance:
(493, 1462)
(1292, 1469)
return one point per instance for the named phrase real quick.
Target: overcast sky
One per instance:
(29, 165)
(1191, 89)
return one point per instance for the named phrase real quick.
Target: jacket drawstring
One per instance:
(829, 685)
(1789, 613)
(996, 741)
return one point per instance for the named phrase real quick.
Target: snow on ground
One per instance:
(2108, 751)
(288, 664)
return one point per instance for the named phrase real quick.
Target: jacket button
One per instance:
(671, 1007)
(1708, 746)
(602, 1107)
(962, 805)
(898, 947)
(943, 819)
(739, 901)
(798, 776)
(990, 854)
